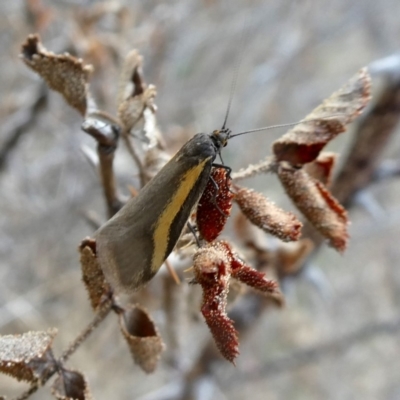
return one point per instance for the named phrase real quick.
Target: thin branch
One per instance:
(20, 123)
(98, 319)
(106, 134)
(311, 354)
(262, 167)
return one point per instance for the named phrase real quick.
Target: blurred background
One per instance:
(338, 336)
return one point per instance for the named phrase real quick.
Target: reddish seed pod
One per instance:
(215, 205)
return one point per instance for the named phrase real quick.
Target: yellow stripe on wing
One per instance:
(162, 228)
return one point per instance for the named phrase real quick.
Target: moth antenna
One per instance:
(243, 38)
(265, 128)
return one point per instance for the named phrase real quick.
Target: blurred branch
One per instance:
(20, 122)
(314, 353)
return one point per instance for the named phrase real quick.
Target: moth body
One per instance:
(134, 243)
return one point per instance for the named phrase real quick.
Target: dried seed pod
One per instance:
(71, 385)
(317, 204)
(92, 275)
(27, 357)
(141, 334)
(303, 143)
(212, 271)
(214, 205)
(63, 73)
(267, 216)
(213, 266)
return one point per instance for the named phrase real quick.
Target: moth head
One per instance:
(220, 137)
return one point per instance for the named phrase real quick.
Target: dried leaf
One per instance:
(142, 337)
(212, 271)
(134, 95)
(321, 168)
(303, 143)
(27, 357)
(249, 235)
(215, 205)
(290, 257)
(63, 73)
(267, 216)
(92, 275)
(71, 385)
(317, 204)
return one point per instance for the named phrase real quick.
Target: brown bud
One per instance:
(267, 216)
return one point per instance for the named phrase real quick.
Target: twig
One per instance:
(20, 122)
(135, 158)
(100, 316)
(106, 134)
(262, 167)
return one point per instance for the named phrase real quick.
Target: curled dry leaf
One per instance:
(212, 271)
(63, 73)
(92, 275)
(215, 205)
(134, 95)
(71, 385)
(267, 216)
(213, 266)
(317, 204)
(290, 257)
(303, 143)
(321, 168)
(141, 334)
(27, 357)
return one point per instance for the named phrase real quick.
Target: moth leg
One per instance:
(193, 230)
(214, 198)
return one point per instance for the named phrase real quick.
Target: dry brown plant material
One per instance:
(141, 334)
(303, 143)
(71, 385)
(63, 73)
(267, 215)
(27, 357)
(317, 204)
(290, 257)
(322, 167)
(214, 265)
(134, 95)
(92, 275)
